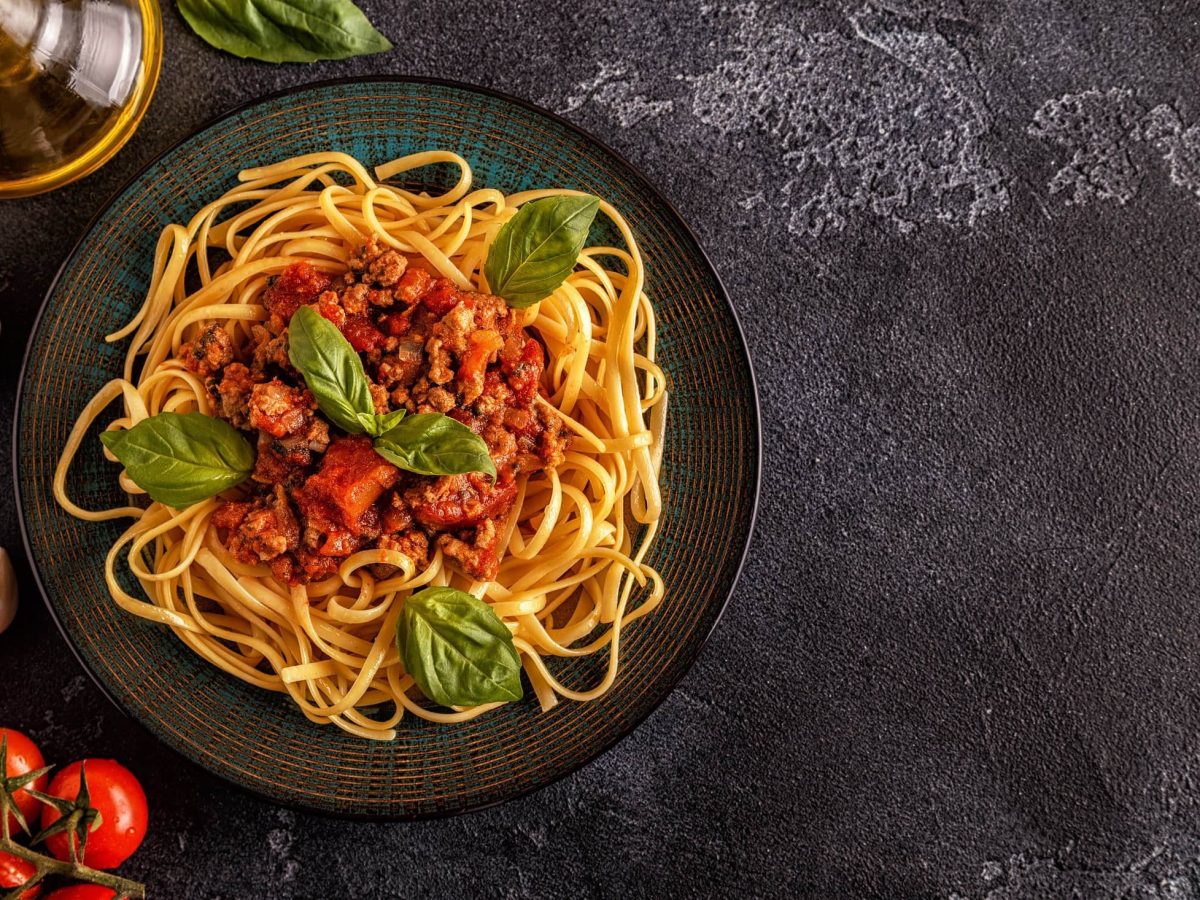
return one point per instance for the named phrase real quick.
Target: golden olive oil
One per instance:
(76, 77)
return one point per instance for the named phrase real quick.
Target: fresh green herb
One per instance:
(428, 444)
(182, 458)
(284, 30)
(457, 649)
(331, 369)
(433, 444)
(536, 249)
(376, 425)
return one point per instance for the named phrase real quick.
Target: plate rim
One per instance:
(467, 87)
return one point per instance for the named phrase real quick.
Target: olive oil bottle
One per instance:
(76, 77)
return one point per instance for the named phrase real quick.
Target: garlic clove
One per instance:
(8, 590)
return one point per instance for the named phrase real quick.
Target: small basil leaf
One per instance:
(331, 369)
(368, 422)
(284, 30)
(375, 424)
(456, 649)
(182, 458)
(433, 444)
(385, 423)
(536, 249)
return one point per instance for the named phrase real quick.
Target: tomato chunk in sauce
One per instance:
(318, 494)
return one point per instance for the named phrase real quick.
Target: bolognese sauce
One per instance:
(318, 495)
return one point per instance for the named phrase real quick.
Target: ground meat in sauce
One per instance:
(316, 497)
(209, 353)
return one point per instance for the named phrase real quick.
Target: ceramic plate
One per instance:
(258, 739)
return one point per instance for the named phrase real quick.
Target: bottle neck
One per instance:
(82, 44)
(18, 26)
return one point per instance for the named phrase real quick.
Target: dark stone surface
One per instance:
(964, 659)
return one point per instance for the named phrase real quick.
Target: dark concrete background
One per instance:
(964, 659)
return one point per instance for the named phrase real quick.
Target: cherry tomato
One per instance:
(116, 793)
(83, 892)
(23, 756)
(14, 872)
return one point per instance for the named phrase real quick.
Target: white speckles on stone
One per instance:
(1179, 145)
(519, 890)
(894, 129)
(1160, 874)
(280, 841)
(946, 9)
(1178, 887)
(51, 730)
(616, 88)
(1098, 128)
(1108, 134)
(73, 688)
(536, 834)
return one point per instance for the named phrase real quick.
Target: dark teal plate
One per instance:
(255, 738)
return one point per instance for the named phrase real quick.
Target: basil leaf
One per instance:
(537, 248)
(386, 423)
(284, 30)
(331, 369)
(366, 422)
(456, 649)
(375, 424)
(433, 444)
(182, 458)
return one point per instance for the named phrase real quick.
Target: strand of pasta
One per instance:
(572, 563)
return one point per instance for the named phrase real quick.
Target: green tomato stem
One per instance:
(47, 865)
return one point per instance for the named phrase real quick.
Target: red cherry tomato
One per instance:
(23, 756)
(14, 872)
(116, 793)
(83, 892)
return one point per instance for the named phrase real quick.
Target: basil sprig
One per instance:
(536, 249)
(332, 370)
(433, 444)
(456, 649)
(284, 30)
(182, 458)
(377, 425)
(428, 443)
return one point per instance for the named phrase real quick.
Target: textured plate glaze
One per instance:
(258, 739)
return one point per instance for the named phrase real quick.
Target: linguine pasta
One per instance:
(572, 574)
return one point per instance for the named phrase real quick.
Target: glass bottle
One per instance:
(76, 77)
